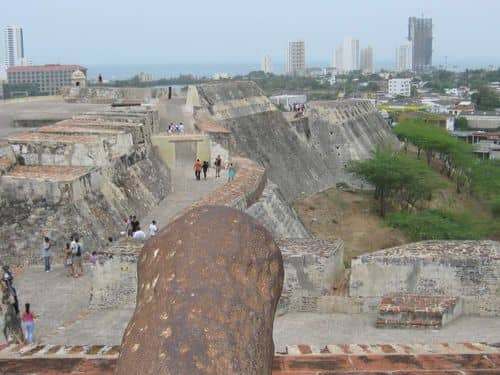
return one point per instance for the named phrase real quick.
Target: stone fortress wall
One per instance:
(309, 160)
(82, 175)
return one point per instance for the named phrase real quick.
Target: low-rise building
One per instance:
(49, 78)
(399, 87)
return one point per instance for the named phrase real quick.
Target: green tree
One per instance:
(486, 99)
(396, 177)
(461, 123)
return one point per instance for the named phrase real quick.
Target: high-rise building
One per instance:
(350, 54)
(420, 34)
(404, 59)
(296, 62)
(13, 46)
(366, 60)
(339, 56)
(266, 65)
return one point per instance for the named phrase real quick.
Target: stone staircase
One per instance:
(417, 311)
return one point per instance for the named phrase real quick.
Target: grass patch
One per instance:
(438, 225)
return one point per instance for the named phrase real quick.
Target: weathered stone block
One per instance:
(207, 292)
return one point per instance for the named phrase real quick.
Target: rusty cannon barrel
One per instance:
(208, 287)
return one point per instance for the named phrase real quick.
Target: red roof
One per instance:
(45, 68)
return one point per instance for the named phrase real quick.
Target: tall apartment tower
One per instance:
(266, 65)
(420, 34)
(339, 56)
(366, 60)
(404, 59)
(296, 61)
(350, 54)
(13, 46)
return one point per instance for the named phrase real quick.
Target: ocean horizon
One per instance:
(127, 71)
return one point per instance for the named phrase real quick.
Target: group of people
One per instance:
(73, 253)
(203, 167)
(175, 128)
(297, 107)
(133, 228)
(14, 322)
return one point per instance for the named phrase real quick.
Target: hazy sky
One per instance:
(186, 31)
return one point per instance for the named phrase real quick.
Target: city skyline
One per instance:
(231, 38)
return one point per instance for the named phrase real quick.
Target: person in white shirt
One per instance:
(153, 229)
(139, 234)
(181, 127)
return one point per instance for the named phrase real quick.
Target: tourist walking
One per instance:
(46, 253)
(153, 229)
(68, 260)
(218, 165)
(28, 324)
(8, 279)
(128, 228)
(231, 172)
(77, 251)
(205, 169)
(197, 169)
(135, 225)
(93, 259)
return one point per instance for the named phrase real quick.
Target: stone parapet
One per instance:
(312, 268)
(53, 185)
(358, 359)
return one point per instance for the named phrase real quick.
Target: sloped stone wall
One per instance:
(306, 156)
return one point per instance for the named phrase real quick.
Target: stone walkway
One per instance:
(186, 190)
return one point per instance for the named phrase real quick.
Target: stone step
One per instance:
(417, 311)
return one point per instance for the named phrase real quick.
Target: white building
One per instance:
(296, 59)
(287, 100)
(347, 56)
(339, 55)
(404, 58)
(266, 65)
(13, 46)
(400, 87)
(366, 60)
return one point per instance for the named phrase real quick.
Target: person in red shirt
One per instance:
(29, 324)
(197, 169)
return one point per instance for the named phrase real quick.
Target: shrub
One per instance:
(437, 225)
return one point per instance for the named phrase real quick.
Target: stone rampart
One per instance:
(306, 156)
(277, 215)
(468, 269)
(124, 189)
(52, 185)
(78, 177)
